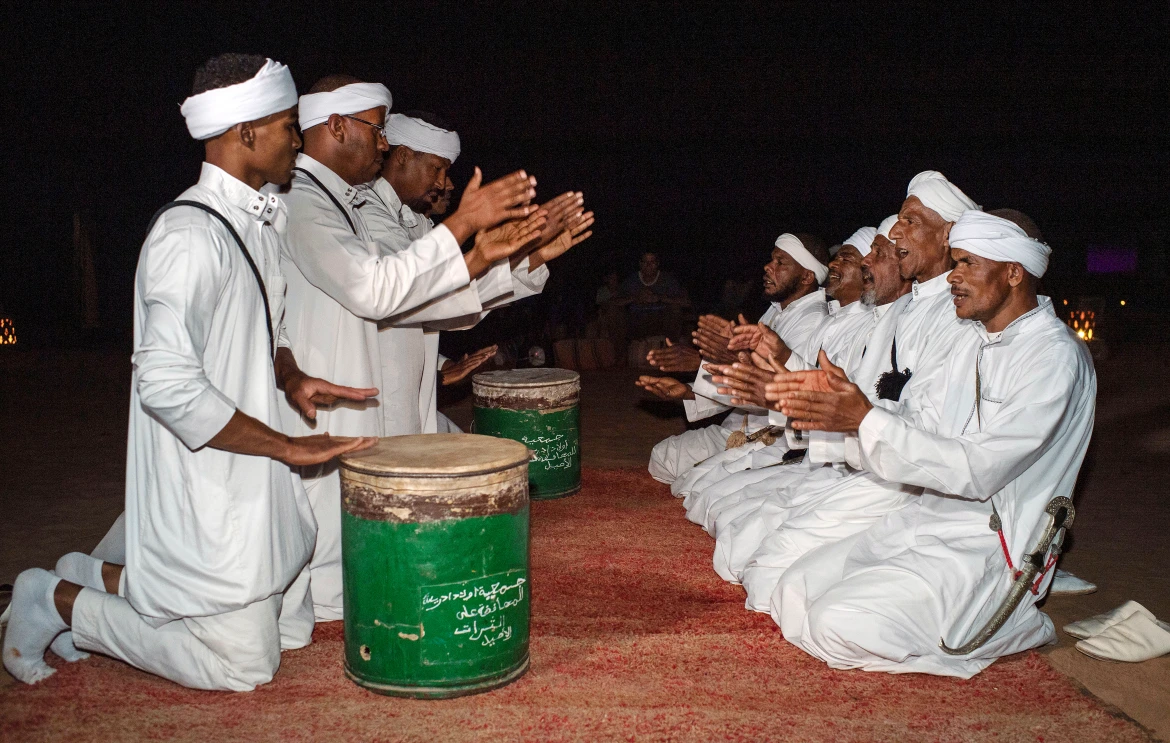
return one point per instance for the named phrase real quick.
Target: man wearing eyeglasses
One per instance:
(340, 284)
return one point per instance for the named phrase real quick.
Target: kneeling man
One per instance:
(218, 536)
(950, 583)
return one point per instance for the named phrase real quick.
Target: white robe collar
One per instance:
(344, 192)
(406, 216)
(263, 207)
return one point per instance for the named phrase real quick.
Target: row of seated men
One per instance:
(286, 312)
(893, 478)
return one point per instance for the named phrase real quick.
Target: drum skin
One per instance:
(539, 408)
(435, 564)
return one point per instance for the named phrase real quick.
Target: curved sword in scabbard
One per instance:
(1060, 517)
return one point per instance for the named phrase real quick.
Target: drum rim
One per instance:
(359, 461)
(481, 379)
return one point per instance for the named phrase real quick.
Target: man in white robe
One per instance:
(726, 473)
(908, 375)
(1015, 426)
(745, 492)
(413, 175)
(791, 282)
(341, 284)
(218, 534)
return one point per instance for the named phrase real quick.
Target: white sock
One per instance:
(34, 624)
(80, 568)
(64, 648)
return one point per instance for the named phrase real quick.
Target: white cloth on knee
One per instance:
(235, 651)
(112, 548)
(675, 455)
(323, 486)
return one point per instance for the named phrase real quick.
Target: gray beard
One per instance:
(869, 296)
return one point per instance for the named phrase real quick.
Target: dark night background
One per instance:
(700, 131)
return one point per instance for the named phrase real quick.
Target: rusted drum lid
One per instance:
(437, 455)
(526, 389)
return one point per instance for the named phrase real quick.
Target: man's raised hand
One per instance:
(674, 358)
(307, 393)
(562, 211)
(829, 402)
(483, 207)
(744, 382)
(511, 238)
(576, 233)
(666, 388)
(454, 372)
(711, 338)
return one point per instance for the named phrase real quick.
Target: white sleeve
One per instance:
(366, 283)
(180, 277)
(974, 465)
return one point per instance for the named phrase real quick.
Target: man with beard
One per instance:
(1012, 433)
(218, 532)
(791, 282)
(909, 375)
(341, 284)
(708, 482)
(813, 454)
(414, 174)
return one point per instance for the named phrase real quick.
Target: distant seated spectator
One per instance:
(651, 285)
(611, 290)
(654, 298)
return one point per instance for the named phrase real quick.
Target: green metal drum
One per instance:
(434, 540)
(539, 408)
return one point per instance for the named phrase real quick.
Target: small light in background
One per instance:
(1066, 302)
(1123, 303)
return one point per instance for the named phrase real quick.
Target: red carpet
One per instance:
(634, 638)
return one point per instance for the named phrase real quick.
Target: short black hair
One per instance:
(431, 118)
(226, 69)
(330, 83)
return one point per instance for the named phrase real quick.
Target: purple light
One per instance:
(1102, 259)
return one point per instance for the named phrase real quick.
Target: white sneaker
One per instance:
(1067, 584)
(1131, 640)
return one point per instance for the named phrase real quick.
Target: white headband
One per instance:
(999, 240)
(862, 240)
(316, 108)
(887, 225)
(792, 245)
(940, 195)
(420, 136)
(213, 112)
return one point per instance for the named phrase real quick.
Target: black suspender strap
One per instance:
(328, 193)
(247, 256)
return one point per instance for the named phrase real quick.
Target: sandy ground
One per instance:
(62, 468)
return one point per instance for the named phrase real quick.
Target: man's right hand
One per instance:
(674, 358)
(712, 338)
(310, 450)
(666, 388)
(484, 207)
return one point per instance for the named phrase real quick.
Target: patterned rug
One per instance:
(634, 638)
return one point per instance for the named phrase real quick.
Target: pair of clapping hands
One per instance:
(747, 362)
(509, 225)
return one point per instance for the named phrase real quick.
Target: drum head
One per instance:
(437, 454)
(525, 378)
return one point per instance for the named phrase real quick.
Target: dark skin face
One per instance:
(348, 147)
(258, 152)
(921, 236)
(844, 282)
(785, 279)
(648, 265)
(417, 177)
(991, 292)
(881, 273)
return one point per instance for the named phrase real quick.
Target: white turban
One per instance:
(862, 240)
(792, 245)
(213, 112)
(940, 195)
(887, 225)
(999, 240)
(316, 108)
(420, 136)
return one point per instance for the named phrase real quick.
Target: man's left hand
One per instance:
(454, 372)
(744, 382)
(307, 393)
(841, 408)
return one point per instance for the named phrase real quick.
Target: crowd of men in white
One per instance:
(885, 473)
(882, 484)
(283, 267)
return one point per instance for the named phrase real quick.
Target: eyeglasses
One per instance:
(381, 130)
